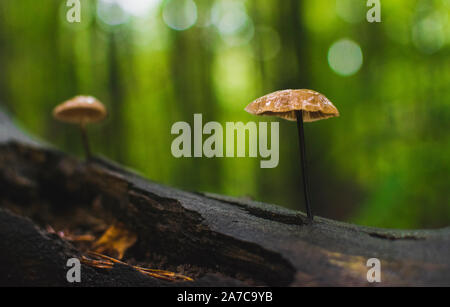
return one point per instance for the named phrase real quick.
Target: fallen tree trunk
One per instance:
(217, 239)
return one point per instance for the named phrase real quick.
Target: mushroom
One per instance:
(81, 110)
(296, 105)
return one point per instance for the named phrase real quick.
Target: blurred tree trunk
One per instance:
(116, 89)
(191, 67)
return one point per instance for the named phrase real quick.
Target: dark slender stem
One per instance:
(87, 149)
(301, 141)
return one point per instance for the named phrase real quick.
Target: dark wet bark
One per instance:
(233, 241)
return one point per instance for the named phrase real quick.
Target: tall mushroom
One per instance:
(296, 105)
(81, 110)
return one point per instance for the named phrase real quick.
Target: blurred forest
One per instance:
(383, 162)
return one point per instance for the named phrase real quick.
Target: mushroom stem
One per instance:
(84, 136)
(301, 140)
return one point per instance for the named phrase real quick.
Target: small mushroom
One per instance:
(296, 105)
(81, 110)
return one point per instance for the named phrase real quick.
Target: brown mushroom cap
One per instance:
(284, 103)
(80, 110)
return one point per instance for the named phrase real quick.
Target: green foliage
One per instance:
(384, 162)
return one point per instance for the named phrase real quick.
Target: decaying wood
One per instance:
(233, 241)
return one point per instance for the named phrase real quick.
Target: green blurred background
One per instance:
(384, 162)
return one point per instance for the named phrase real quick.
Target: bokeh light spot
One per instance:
(138, 7)
(228, 16)
(345, 57)
(180, 14)
(267, 43)
(232, 22)
(111, 13)
(428, 33)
